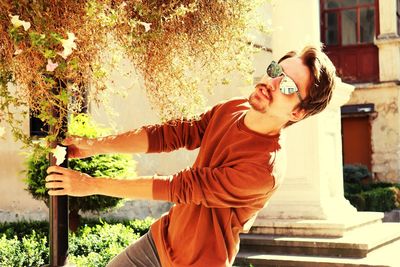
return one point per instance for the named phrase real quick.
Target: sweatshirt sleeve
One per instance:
(176, 134)
(223, 187)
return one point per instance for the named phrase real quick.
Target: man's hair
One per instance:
(323, 74)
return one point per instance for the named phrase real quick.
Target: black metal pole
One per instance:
(58, 208)
(58, 217)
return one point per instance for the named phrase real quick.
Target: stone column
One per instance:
(310, 200)
(388, 42)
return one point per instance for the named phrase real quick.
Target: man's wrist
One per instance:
(96, 185)
(98, 146)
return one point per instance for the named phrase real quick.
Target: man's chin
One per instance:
(255, 105)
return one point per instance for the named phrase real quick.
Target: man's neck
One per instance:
(260, 123)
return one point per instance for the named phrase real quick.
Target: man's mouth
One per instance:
(264, 92)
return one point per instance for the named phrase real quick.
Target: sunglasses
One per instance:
(287, 85)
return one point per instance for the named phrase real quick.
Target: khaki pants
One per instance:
(141, 253)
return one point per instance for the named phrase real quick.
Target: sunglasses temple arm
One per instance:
(298, 94)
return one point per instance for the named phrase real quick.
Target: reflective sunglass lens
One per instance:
(288, 90)
(274, 70)
(287, 86)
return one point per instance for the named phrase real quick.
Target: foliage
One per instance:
(94, 244)
(355, 173)
(57, 52)
(24, 228)
(380, 196)
(112, 166)
(30, 251)
(378, 199)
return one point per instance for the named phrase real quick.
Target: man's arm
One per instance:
(135, 141)
(62, 181)
(166, 137)
(242, 185)
(211, 187)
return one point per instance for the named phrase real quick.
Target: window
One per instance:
(348, 22)
(36, 126)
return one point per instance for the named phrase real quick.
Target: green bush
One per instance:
(380, 196)
(356, 200)
(29, 251)
(24, 228)
(94, 244)
(354, 173)
(350, 188)
(380, 199)
(112, 166)
(377, 185)
(376, 199)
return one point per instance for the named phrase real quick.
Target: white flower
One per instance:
(51, 66)
(17, 52)
(68, 45)
(59, 153)
(18, 23)
(2, 131)
(145, 25)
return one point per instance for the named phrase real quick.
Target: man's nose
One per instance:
(275, 82)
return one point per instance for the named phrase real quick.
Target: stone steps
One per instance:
(372, 245)
(336, 227)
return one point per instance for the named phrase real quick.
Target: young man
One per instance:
(232, 178)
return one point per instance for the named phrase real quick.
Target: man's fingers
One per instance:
(57, 192)
(53, 185)
(57, 169)
(54, 177)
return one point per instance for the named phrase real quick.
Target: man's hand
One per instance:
(62, 181)
(79, 147)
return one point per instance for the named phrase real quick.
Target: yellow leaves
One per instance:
(2, 131)
(68, 45)
(18, 23)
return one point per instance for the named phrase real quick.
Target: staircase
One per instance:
(370, 245)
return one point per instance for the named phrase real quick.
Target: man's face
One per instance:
(268, 98)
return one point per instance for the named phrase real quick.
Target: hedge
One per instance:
(373, 197)
(93, 245)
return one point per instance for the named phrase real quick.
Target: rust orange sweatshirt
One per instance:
(229, 182)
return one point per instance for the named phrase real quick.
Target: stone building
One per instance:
(362, 39)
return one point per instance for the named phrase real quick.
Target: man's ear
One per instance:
(297, 114)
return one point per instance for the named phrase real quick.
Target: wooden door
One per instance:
(356, 135)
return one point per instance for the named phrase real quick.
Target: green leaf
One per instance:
(37, 39)
(48, 53)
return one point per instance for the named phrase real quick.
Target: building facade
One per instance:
(362, 39)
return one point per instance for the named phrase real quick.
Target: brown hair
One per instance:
(323, 75)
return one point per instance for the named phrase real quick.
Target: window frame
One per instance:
(338, 11)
